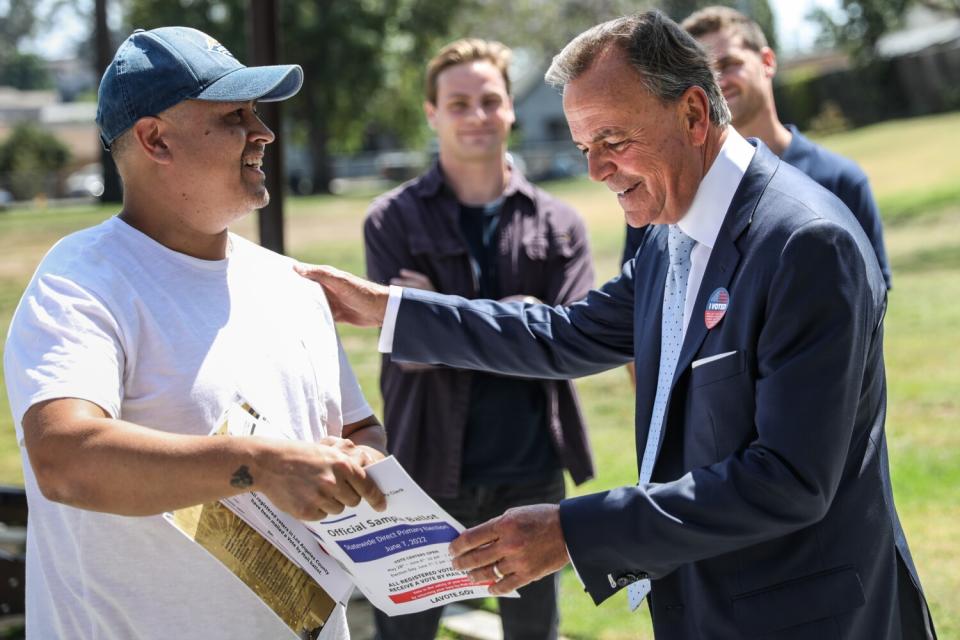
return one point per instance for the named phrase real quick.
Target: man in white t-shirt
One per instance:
(135, 335)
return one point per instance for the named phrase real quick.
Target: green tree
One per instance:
(364, 59)
(18, 20)
(545, 26)
(758, 10)
(225, 20)
(862, 24)
(540, 27)
(946, 6)
(24, 71)
(361, 60)
(29, 160)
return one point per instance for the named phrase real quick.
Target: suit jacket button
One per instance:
(626, 579)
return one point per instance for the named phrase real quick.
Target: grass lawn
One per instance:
(914, 171)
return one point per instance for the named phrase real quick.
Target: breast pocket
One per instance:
(446, 263)
(535, 245)
(709, 369)
(719, 408)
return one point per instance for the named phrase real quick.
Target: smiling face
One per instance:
(473, 113)
(217, 150)
(744, 74)
(646, 151)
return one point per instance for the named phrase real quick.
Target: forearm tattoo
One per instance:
(241, 478)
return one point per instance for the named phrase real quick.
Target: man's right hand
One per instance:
(352, 300)
(413, 279)
(313, 480)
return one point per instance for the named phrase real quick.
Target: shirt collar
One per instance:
(705, 216)
(518, 182)
(432, 181)
(798, 147)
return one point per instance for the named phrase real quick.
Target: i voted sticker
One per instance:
(716, 307)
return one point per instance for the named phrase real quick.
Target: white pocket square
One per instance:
(697, 363)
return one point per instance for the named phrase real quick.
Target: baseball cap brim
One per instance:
(266, 84)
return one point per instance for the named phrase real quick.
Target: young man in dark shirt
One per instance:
(472, 225)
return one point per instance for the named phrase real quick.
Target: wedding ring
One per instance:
(496, 572)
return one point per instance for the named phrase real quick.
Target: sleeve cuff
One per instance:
(358, 414)
(390, 320)
(574, 567)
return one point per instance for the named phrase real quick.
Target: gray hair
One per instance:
(667, 59)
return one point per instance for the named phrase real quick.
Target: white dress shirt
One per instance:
(703, 220)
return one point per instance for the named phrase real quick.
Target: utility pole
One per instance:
(262, 33)
(112, 191)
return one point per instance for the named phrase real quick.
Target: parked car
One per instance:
(397, 166)
(86, 182)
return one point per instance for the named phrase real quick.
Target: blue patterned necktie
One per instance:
(679, 246)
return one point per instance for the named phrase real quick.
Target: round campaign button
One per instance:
(716, 307)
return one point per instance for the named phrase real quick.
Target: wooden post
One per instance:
(104, 54)
(262, 21)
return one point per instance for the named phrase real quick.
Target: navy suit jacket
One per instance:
(770, 512)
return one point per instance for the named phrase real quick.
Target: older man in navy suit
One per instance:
(754, 313)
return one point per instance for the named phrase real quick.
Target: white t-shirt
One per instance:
(163, 340)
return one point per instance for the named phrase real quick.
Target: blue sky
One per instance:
(796, 34)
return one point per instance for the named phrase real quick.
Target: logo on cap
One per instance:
(213, 45)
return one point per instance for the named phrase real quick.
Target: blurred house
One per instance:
(913, 73)
(73, 77)
(72, 122)
(813, 63)
(542, 138)
(539, 108)
(926, 57)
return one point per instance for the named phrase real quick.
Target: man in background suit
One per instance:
(764, 507)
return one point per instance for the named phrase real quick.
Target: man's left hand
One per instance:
(524, 544)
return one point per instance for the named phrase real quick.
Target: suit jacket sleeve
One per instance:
(530, 340)
(820, 323)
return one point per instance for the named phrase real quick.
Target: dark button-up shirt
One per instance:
(542, 251)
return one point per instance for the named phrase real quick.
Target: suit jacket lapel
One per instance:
(725, 255)
(723, 263)
(724, 259)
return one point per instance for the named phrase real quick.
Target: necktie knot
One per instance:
(679, 246)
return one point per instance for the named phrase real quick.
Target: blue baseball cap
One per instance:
(154, 70)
